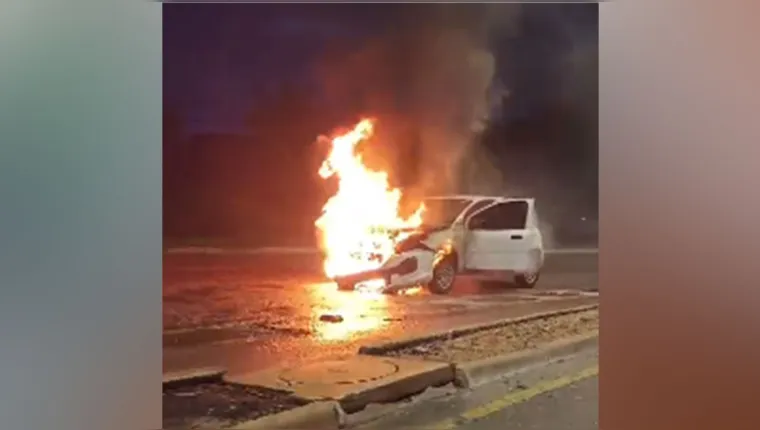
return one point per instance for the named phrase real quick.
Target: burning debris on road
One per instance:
(333, 318)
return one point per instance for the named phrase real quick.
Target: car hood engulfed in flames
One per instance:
(360, 224)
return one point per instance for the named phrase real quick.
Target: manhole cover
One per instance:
(339, 372)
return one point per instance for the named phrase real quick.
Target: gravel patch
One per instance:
(505, 340)
(220, 405)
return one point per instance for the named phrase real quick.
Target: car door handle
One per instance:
(516, 236)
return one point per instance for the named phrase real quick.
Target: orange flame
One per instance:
(355, 222)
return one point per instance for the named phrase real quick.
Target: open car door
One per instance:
(504, 236)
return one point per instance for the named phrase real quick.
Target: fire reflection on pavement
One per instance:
(349, 313)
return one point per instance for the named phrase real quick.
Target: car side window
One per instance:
(486, 220)
(514, 215)
(476, 207)
(504, 216)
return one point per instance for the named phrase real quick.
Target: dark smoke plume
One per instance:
(432, 83)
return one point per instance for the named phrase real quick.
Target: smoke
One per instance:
(456, 116)
(454, 92)
(432, 82)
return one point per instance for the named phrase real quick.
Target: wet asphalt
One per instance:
(247, 312)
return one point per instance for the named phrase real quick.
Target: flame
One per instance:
(356, 220)
(413, 291)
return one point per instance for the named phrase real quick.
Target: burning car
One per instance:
(368, 244)
(485, 236)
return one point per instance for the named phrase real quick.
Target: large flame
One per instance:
(356, 221)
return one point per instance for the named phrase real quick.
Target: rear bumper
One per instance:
(400, 271)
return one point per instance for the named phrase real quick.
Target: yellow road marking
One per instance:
(513, 398)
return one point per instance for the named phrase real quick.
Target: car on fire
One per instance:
(488, 237)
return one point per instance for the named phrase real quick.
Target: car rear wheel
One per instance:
(530, 279)
(444, 275)
(527, 280)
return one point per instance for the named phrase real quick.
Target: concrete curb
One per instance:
(192, 377)
(399, 389)
(386, 347)
(473, 373)
(323, 415)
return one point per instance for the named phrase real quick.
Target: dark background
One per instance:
(249, 87)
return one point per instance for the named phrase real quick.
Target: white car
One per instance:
(485, 236)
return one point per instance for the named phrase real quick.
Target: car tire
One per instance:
(444, 275)
(530, 279)
(527, 280)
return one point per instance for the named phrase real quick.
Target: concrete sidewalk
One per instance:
(560, 395)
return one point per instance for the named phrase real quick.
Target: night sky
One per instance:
(219, 57)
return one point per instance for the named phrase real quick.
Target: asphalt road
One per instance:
(561, 395)
(246, 312)
(574, 407)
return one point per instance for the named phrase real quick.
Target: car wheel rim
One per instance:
(530, 277)
(446, 278)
